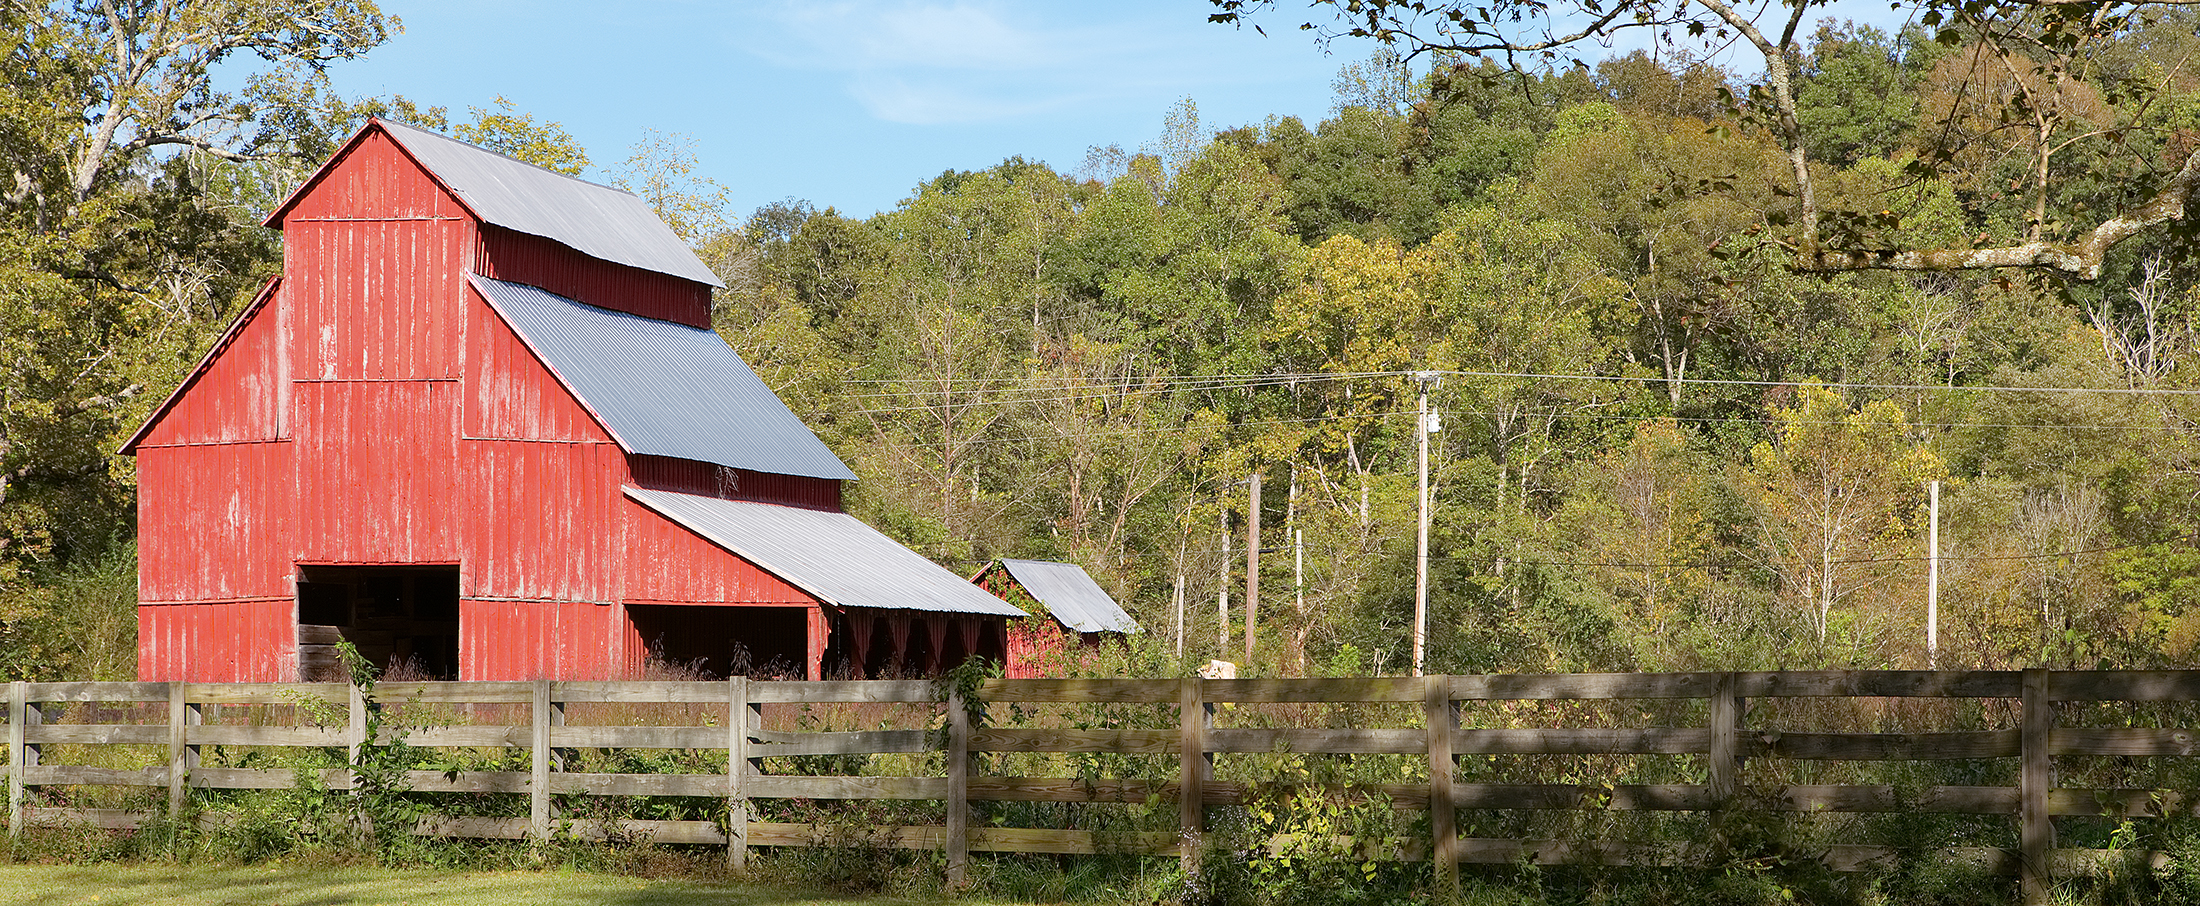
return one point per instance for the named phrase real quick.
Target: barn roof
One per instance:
(661, 388)
(833, 556)
(601, 221)
(1070, 594)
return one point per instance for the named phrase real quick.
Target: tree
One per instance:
(1836, 492)
(2037, 69)
(515, 134)
(1642, 514)
(141, 73)
(120, 253)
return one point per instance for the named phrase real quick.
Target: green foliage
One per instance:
(515, 134)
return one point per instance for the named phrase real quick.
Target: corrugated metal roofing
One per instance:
(663, 389)
(833, 556)
(602, 221)
(1071, 596)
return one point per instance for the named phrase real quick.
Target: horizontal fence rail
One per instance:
(171, 728)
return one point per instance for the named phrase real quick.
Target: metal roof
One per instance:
(661, 388)
(832, 556)
(604, 222)
(1071, 596)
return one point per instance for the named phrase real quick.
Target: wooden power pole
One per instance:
(1252, 567)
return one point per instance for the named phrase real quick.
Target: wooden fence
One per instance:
(2011, 715)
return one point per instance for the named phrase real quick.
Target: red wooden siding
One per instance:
(376, 472)
(510, 393)
(524, 640)
(374, 299)
(550, 265)
(241, 395)
(376, 180)
(667, 564)
(688, 476)
(373, 267)
(543, 520)
(242, 641)
(219, 528)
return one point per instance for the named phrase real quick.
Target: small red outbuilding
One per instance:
(480, 425)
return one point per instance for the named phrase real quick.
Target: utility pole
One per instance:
(1222, 590)
(1298, 593)
(1252, 567)
(1179, 599)
(1932, 583)
(1420, 572)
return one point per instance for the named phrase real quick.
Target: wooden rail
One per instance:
(175, 724)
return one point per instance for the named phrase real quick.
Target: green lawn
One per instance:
(50, 885)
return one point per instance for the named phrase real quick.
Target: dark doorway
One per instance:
(719, 641)
(403, 619)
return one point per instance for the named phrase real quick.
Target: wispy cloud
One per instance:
(928, 63)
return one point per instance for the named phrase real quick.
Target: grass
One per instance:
(290, 885)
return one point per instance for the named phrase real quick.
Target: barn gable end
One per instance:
(246, 386)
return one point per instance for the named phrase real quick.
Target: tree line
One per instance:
(1672, 435)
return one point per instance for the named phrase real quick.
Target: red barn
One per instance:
(480, 425)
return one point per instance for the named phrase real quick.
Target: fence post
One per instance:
(1192, 720)
(355, 735)
(538, 782)
(18, 715)
(1443, 821)
(1726, 748)
(958, 792)
(183, 757)
(2036, 829)
(737, 772)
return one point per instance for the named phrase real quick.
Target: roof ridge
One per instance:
(488, 150)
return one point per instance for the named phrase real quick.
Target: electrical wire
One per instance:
(1240, 381)
(1694, 564)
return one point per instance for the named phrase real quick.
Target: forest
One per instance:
(1697, 355)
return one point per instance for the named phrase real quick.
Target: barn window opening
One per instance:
(714, 641)
(403, 620)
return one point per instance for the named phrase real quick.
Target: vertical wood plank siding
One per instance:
(376, 180)
(510, 393)
(703, 479)
(549, 264)
(241, 396)
(221, 529)
(526, 640)
(667, 564)
(376, 472)
(542, 521)
(232, 641)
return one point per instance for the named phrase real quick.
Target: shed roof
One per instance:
(661, 388)
(1070, 594)
(601, 221)
(833, 556)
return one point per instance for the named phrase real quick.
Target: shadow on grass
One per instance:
(49, 885)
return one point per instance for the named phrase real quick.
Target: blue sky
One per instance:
(847, 104)
(852, 103)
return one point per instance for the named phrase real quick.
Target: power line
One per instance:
(1582, 416)
(1692, 564)
(1239, 381)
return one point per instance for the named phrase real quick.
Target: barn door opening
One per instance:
(712, 641)
(403, 619)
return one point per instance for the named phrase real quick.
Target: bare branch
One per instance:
(2081, 259)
